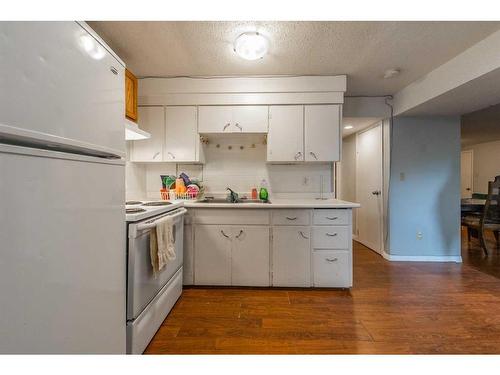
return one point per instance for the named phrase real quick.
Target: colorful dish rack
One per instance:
(171, 195)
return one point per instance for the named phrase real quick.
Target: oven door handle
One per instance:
(151, 224)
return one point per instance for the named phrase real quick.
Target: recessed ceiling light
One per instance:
(390, 73)
(348, 127)
(251, 46)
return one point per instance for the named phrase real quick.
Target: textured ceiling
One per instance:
(481, 126)
(362, 50)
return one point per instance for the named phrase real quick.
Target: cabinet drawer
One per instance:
(332, 269)
(291, 217)
(331, 237)
(232, 216)
(332, 216)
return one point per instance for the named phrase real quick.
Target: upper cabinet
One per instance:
(182, 143)
(174, 135)
(233, 119)
(130, 96)
(304, 133)
(322, 132)
(152, 120)
(285, 140)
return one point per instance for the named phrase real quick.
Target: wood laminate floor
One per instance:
(394, 308)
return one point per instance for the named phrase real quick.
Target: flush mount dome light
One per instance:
(251, 46)
(348, 127)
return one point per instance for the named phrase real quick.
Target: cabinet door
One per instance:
(322, 132)
(285, 140)
(250, 256)
(130, 95)
(250, 119)
(187, 268)
(215, 119)
(181, 134)
(152, 120)
(212, 255)
(291, 256)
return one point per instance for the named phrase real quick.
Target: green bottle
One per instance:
(263, 193)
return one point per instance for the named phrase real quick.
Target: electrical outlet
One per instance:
(420, 235)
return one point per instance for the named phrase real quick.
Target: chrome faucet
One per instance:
(232, 196)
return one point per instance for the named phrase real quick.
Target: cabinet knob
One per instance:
(331, 260)
(239, 127)
(156, 155)
(171, 155)
(224, 234)
(292, 218)
(239, 234)
(298, 155)
(331, 234)
(303, 235)
(332, 218)
(226, 126)
(313, 155)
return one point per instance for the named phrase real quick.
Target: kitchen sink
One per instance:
(241, 201)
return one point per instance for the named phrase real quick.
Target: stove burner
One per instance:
(157, 203)
(134, 210)
(130, 203)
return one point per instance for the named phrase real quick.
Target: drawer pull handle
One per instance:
(225, 126)
(332, 218)
(239, 127)
(171, 155)
(155, 155)
(224, 234)
(292, 218)
(331, 260)
(239, 234)
(331, 234)
(303, 235)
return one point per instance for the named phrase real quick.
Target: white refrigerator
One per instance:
(62, 191)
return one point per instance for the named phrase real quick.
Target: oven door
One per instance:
(142, 285)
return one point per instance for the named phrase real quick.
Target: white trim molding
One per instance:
(422, 258)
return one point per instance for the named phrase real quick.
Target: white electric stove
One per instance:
(140, 210)
(150, 297)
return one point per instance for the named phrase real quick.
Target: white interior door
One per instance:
(369, 188)
(466, 169)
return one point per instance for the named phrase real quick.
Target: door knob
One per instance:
(376, 192)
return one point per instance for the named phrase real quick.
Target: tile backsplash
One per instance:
(237, 161)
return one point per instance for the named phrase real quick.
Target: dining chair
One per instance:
(489, 218)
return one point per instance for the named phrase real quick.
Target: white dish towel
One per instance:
(161, 244)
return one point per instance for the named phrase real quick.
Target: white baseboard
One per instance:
(422, 258)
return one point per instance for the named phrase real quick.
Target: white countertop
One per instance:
(279, 203)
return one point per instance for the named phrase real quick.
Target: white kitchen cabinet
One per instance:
(250, 256)
(233, 119)
(332, 268)
(322, 132)
(285, 140)
(181, 134)
(291, 256)
(212, 251)
(188, 262)
(152, 120)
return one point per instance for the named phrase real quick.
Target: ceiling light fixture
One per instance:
(390, 73)
(94, 49)
(251, 46)
(348, 127)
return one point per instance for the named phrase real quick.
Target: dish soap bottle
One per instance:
(263, 193)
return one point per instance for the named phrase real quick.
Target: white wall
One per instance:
(426, 198)
(486, 164)
(347, 174)
(240, 169)
(135, 178)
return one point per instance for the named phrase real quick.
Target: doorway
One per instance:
(466, 176)
(369, 192)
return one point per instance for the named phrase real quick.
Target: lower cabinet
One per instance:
(250, 256)
(231, 255)
(332, 268)
(212, 252)
(291, 256)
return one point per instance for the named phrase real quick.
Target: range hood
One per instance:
(133, 133)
